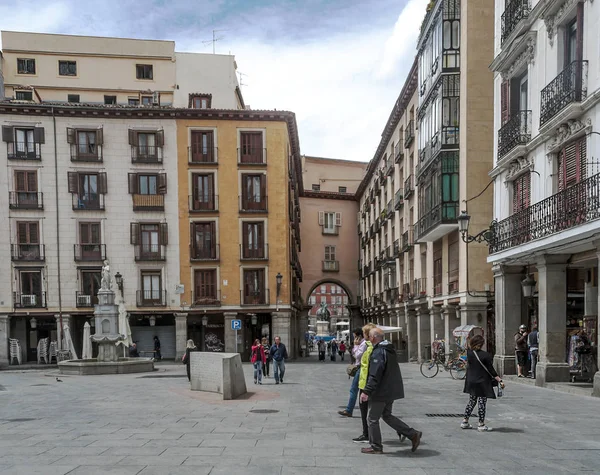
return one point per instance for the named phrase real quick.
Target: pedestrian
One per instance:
(329, 348)
(278, 355)
(334, 349)
(133, 351)
(267, 364)
(342, 350)
(321, 348)
(258, 360)
(521, 350)
(157, 354)
(479, 383)
(190, 347)
(533, 342)
(384, 386)
(359, 348)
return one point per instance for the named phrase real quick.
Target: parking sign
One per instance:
(236, 324)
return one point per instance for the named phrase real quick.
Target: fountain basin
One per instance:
(94, 367)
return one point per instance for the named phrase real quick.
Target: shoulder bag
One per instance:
(494, 382)
(351, 370)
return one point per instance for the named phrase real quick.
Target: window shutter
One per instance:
(22, 233)
(73, 179)
(526, 184)
(38, 135)
(31, 181)
(160, 138)
(162, 184)
(99, 136)
(20, 181)
(192, 239)
(8, 134)
(134, 233)
(84, 233)
(263, 187)
(338, 219)
(505, 101)
(164, 234)
(245, 243)
(211, 191)
(71, 135)
(133, 183)
(34, 234)
(102, 185)
(261, 236)
(321, 218)
(581, 159)
(570, 165)
(133, 137)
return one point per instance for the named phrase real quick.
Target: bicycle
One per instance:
(456, 366)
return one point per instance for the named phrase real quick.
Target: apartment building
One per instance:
(546, 179)
(239, 213)
(432, 162)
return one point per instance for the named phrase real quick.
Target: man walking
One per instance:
(384, 386)
(278, 355)
(533, 341)
(157, 354)
(521, 350)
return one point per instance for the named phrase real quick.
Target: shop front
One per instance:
(144, 327)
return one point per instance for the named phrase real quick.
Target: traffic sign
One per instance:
(236, 324)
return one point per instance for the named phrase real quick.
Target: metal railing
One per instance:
(150, 252)
(252, 156)
(251, 205)
(568, 87)
(397, 248)
(151, 298)
(29, 299)
(28, 252)
(420, 287)
(257, 253)
(255, 297)
(409, 134)
(399, 152)
(517, 131)
(398, 199)
(514, 12)
(23, 151)
(199, 155)
(389, 167)
(409, 186)
(148, 202)
(453, 281)
(94, 202)
(25, 200)
(146, 154)
(211, 253)
(203, 204)
(440, 214)
(330, 231)
(408, 239)
(331, 266)
(85, 300)
(577, 205)
(89, 252)
(86, 153)
(206, 300)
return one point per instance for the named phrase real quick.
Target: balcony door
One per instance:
(202, 146)
(150, 240)
(25, 146)
(254, 286)
(26, 186)
(205, 287)
(251, 147)
(203, 189)
(31, 285)
(28, 239)
(90, 284)
(253, 240)
(151, 288)
(89, 240)
(254, 192)
(204, 240)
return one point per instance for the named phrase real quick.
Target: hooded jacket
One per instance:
(384, 380)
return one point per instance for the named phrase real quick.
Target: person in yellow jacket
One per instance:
(362, 382)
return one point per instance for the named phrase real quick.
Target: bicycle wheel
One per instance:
(458, 369)
(429, 368)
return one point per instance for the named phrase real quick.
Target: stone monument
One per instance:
(106, 315)
(323, 317)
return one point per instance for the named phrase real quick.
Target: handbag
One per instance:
(494, 382)
(351, 370)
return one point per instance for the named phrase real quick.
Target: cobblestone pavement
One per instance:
(153, 424)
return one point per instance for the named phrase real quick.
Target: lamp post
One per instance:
(279, 280)
(486, 235)
(119, 281)
(528, 284)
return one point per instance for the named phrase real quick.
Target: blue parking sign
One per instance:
(236, 324)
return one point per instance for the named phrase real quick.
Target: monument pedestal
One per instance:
(106, 315)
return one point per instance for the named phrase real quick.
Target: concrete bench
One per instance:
(217, 373)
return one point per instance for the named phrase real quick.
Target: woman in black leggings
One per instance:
(479, 382)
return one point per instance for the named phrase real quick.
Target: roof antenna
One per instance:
(214, 39)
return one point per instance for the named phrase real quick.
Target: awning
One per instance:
(342, 324)
(390, 329)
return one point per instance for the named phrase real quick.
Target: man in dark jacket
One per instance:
(384, 386)
(521, 350)
(278, 355)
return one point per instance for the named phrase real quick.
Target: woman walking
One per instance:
(257, 360)
(359, 347)
(334, 349)
(342, 350)
(191, 346)
(265, 367)
(479, 383)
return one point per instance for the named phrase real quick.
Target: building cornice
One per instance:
(329, 195)
(520, 52)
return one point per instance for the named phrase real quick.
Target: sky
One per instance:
(338, 64)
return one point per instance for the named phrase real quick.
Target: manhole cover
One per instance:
(445, 415)
(40, 385)
(22, 419)
(264, 411)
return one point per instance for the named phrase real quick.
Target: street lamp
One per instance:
(204, 320)
(33, 323)
(119, 281)
(152, 320)
(279, 280)
(253, 318)
(486, 235)
(528, 284)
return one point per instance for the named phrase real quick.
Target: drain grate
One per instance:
(264, 411)
(445, 415)
(22, 419)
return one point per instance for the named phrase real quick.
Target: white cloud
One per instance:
(31, 16)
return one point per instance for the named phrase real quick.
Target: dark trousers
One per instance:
(383, 410)
(265, 368)
(364, 411)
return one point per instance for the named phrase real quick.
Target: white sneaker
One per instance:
(465, 425)
(484, 428)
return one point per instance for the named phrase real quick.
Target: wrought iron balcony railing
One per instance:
(200, 155)
(514, 12)
(331, 266)
(453, 281)
(89, 252)
(253, 204)
(408, 239)
(389, 167)
(28, 252)
(420, 287)
(397, 248)
(252, 156)
(398, 199)
(255, 297)
(25, 200)
(568, 87)
(85, 299)
(258, 253)
(399, 152)
(89, 201)
(517, 131)
(150, 252)
(23, 151)
(444, 213)
(204, 203)
(151, 298)
(577, 205)
(409, 134)
(29, 299)
(213, 300)
(208, 253)
(409, 186)
(146, 154)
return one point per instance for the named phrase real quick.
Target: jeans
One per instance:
(257, 371)
(534, 360)
(353, 393)
(278, 370)
(383, 410)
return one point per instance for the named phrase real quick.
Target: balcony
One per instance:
(420, 288)
(409, 186)
(255, 297)
(258, 253)
(408, 240)
(334, 231)
(252, 156)
(28, 252)
(29, 299)
(81, 153)
(23, 151)
(514, 12)
(398, 199)
(203, 204)
(85, 300)
(90, 202)
(397, 248)
(399, 153)
(567, 209)
(409, 134)
(452, 281)
(253, 205)
(391, 295)
(210, 254)
(151, 298)
(390, 209)
(146, 154)
(437, 222)
(517, 131)
(150, 252)
(148, 202)
(331, 266)
(25, 200)
(206, 300)
(389, 167)
(89, 252)
(199, 155)
(569, 87)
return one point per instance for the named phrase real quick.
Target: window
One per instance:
(28, 241)
(323, 298)
(342, 189)
(146, 100)
(31, 289)
(146, 146)
(89, 241)
(571, 42)
(572, 163)
(202, 148)
(254, 287)
(144, 71)
(26, 187)
(453, 262)
(316, 187)
(200, 101)
(85, 144)
(254, 195)
(90, 285)
(521, 192)
(87, 189)
(203, 235)
(312, 300)
(323, 289)
(73, 98)
(133, 101)
(151, 288)
(253, 240)
(110, 100)
(330, 253)
(149, 239)
(23, 144)
(24, 95)
(330, 222)
(25, 66)
(251, 147)
(203, 192)
(67, 68)
(205, 287)
(437, 271)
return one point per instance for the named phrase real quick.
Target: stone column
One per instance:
(448, 314)
(66, 319)
(436, 324)
(280, 325)
(4, 335)
(596, 390)
(423, 333)
(229, 333)
(181, 335)
(552, 302)
(303, 329)
(412, 343)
